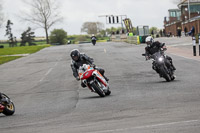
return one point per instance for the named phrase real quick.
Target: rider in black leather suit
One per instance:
(153, 47)
(78, 60)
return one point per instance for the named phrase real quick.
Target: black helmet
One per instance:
(75, 54)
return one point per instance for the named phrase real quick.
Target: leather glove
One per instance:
(77, 78)
(147, 57)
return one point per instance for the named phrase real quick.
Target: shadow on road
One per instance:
(95, 97)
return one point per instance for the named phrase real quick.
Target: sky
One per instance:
(76, 12)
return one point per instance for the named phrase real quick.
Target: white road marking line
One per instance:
(46, 74)
(104, 50)
(184, 57)
(186, 44)
(149, 126)
(49, 71)
(56, 64)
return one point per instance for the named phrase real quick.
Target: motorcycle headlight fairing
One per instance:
(160, 59)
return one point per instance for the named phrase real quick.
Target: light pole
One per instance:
(189, 9)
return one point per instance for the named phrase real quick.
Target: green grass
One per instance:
(101, 40)
(6, 45)
(18, 50)
(4, 59)
(22, 50)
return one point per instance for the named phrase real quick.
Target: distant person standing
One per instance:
(185, 30)
(179, 31)
(130, 34)
(192, 31)
(152, 33)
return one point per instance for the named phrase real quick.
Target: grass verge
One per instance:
(4, 59)
(22, 50)
(5, 52)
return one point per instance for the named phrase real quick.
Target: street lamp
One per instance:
(189, 9)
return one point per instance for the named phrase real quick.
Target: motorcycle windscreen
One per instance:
(87, 74)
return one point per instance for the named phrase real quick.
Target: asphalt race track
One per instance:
(48, 99)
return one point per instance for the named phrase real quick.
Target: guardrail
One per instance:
(124, 38)
(133, 40)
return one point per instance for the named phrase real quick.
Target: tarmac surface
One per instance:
(49, 99)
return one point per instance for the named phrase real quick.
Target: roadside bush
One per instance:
(58, 36)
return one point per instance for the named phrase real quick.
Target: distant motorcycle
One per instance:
(6, 105)
(162, 65)
(93, 40)
(93, 79)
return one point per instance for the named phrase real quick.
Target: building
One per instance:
(186, 16)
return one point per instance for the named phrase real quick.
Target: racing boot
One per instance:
(173, 67)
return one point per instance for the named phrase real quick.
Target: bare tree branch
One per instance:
(92, 27)
(43, 14)
(1, 15)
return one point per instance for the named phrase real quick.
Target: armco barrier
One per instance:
(133, 39)
(119, 38)
(124, 38)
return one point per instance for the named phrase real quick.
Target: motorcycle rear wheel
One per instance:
(9, 107)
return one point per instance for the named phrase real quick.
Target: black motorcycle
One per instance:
(94, 40)
(7, 107)
(162, 65)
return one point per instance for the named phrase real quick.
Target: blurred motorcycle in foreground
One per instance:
(7, 107)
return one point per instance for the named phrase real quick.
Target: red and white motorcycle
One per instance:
(93, 79)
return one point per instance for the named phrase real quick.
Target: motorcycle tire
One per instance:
(165, 74)
(98, 90)
(9, 107)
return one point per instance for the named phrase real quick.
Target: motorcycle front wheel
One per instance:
(98, 90)
(165, 74)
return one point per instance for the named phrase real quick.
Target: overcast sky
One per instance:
(76, 12)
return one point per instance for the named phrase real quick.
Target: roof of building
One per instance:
(185, 2)
(174, 9)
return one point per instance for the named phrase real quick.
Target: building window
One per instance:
(172, 14)
(195, 8)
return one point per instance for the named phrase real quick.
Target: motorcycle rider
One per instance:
(153, 47)
(93, 38)
(78, 59)
(2, 99)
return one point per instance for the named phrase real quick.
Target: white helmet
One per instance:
(149, 39)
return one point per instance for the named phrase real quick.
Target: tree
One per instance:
(58, 36)
(92, 27)
(1, 15)
(27, 36)
(12, 40)
(44, 13)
